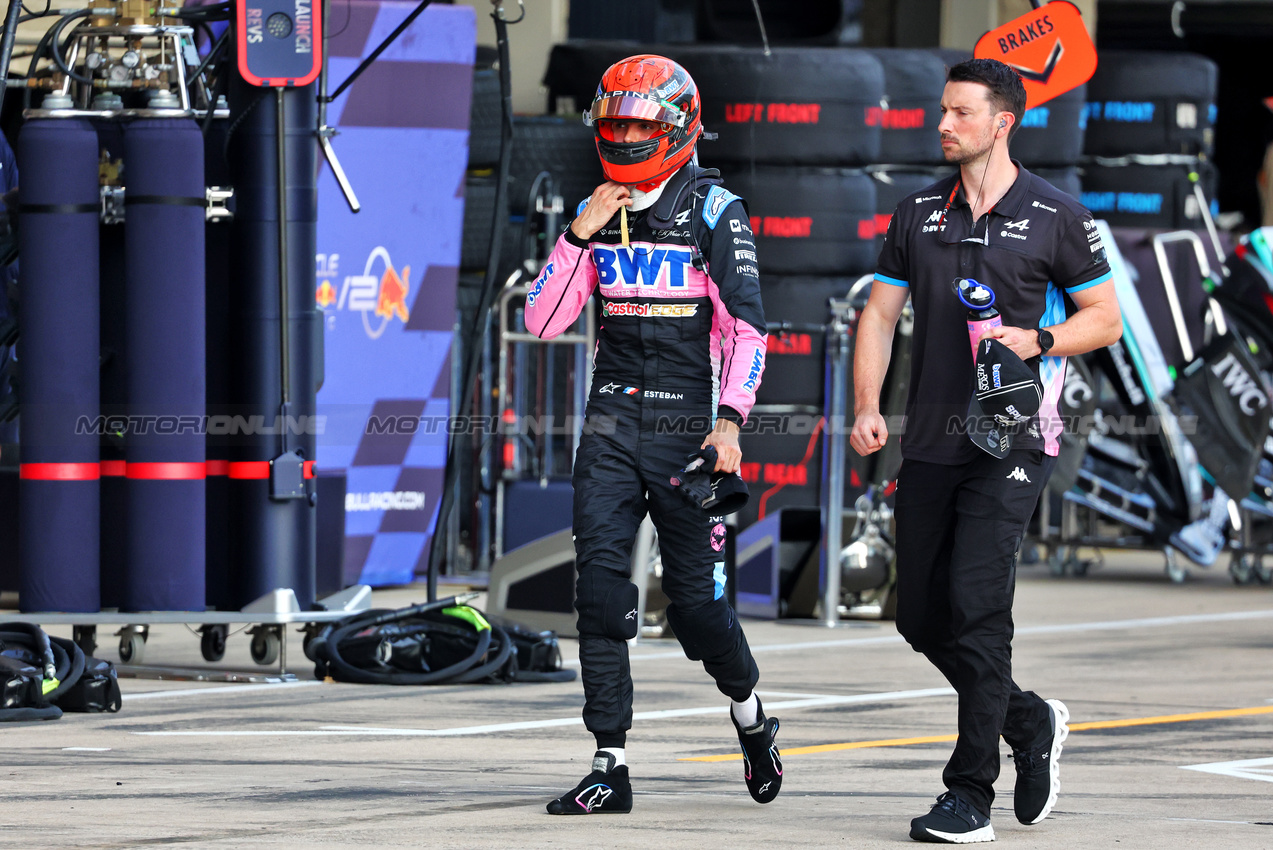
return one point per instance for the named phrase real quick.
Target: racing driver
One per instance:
(670, 256)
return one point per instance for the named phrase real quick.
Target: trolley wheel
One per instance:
(265, 645)
(1057, 560)
(212, 641)
(85, 637)
(1176, 570)
(1263, 573)
(132, 647)
(1242, 567)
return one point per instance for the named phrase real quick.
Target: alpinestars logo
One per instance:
(1018, 474)
(763, 788)
(631, 615)
(608, 389)
(594, 796)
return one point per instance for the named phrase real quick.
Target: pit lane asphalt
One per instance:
(1169, 689)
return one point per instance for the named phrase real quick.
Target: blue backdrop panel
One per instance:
(386, 277)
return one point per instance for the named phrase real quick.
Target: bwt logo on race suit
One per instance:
(538, 286)
(380, 291)
(753, 375)
(641, 265)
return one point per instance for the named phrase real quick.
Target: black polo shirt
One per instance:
(1036, 243)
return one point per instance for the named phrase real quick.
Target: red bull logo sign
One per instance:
(379, 293)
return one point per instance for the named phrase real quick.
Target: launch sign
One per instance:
(279, 41)
(1048, 46)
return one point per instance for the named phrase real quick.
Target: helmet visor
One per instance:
(627, 106)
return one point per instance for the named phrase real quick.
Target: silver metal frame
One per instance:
(507, 338)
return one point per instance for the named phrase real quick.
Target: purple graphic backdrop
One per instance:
(386, 276)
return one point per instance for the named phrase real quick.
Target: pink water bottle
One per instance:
(982, 315)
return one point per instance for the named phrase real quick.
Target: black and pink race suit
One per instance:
(680, 342)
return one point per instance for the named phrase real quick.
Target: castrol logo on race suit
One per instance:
(753, 374)
(643, 311)
(641, 265)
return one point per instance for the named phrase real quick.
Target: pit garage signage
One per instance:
(1049, 47)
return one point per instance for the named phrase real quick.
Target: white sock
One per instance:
(747, 712)
(617, 752)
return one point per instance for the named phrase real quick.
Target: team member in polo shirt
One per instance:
(670, 257)
(961, 511)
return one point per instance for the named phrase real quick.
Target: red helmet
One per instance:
(646, 88)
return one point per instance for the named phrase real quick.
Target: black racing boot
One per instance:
(604, 791)
(762, 764)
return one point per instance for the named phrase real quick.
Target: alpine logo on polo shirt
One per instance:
(1013, 229)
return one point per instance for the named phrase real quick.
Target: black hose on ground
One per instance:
(491, 653)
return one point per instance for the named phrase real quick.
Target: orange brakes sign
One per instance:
(1049, 47)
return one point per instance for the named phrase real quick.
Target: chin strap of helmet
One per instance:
(688, 179)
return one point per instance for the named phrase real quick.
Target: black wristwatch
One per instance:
(1045, 341)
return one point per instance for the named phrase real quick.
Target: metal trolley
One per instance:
(265, 620)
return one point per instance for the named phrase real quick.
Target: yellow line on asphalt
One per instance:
(1074, 727)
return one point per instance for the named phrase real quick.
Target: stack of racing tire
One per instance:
(822, 142)
(797, 129)
(1150, 126)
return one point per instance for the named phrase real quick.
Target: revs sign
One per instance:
(1049, 47)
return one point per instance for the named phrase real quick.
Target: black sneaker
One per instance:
(1039, 768)
(952, 821)
(762, 763)
(604, 791)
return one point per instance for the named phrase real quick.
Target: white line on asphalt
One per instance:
(216, 691)
(86, 749)
(1208, 820)
(1099, 625)
(1261, 769)
(808, 702)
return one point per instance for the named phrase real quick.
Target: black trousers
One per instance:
(958, 531)
(621, 473)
